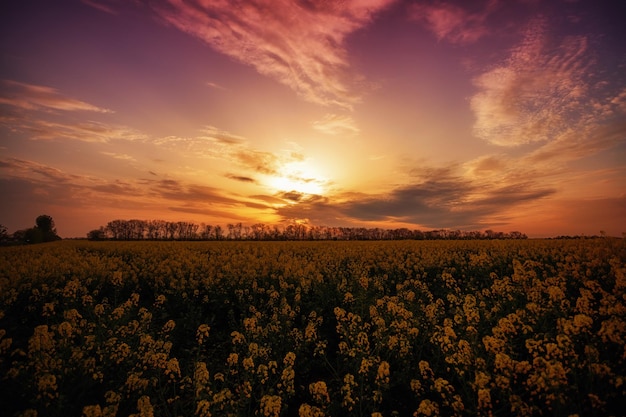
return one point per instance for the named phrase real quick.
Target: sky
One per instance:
(507, 115)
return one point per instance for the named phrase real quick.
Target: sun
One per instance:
(298, 176)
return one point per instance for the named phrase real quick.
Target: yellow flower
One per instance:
(92, 411)
(203, 409)
(202, 333)
(319, 391)
(484, 398)
(290, 359)
(237, 337)
(366, 364)
(160, 300)
(307, 410)
(144, 407)
(262, 371)
(348, 383)
(99, 309)
(425, 370)
(416, 386)
(382, 375)
(65, 329)
(112, 397)
(248, 363)
(481, 380)
(201, 377)
(232, 359)
(48, 310)
(287, 380)
(172, 368)
(169, 326)
(270, 406)
(42, 340)
(47, 386)
(427, 408)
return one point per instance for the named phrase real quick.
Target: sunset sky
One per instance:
(472, 115)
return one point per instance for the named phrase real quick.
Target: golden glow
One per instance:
(298, 176)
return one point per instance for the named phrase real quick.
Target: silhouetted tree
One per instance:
(44, 231)
(96, 234)
(160, 230)
(4, 234)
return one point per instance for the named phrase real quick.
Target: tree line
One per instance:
(43, 231)
(168, 230)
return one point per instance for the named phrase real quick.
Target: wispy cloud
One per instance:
(36, 128)
(577, 144)
(88, 131)
(214, 143)
(333, 124)
(44, 113)
(258, 161)
(36, 97)
(121, 156)
(454, 23)
(24, 168)
(100, 6)
(299, 43)
(221, 136)
(215, 86)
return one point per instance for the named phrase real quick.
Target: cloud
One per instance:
(221, 136)
(298, 43)
(258, 161)
(122, 156)
(24, 168)
(241, 178)
(215, 143)
(215, 86)
(193, 193)
(88, 131)
(538, 94)
(333, 124)
(268, 199)
(581, 143)
(43, 184)
(36, 111)
(487, 165)
(292, 195)
(453, 23)
(437, 198)
(102, 7)
(234, 150)
(36, 97)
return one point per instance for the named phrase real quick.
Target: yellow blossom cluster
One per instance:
(430, 328)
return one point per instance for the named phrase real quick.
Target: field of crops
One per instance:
(424, 328)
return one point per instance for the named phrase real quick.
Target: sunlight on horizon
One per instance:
(298, 176)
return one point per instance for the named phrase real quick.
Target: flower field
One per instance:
(406, 328)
